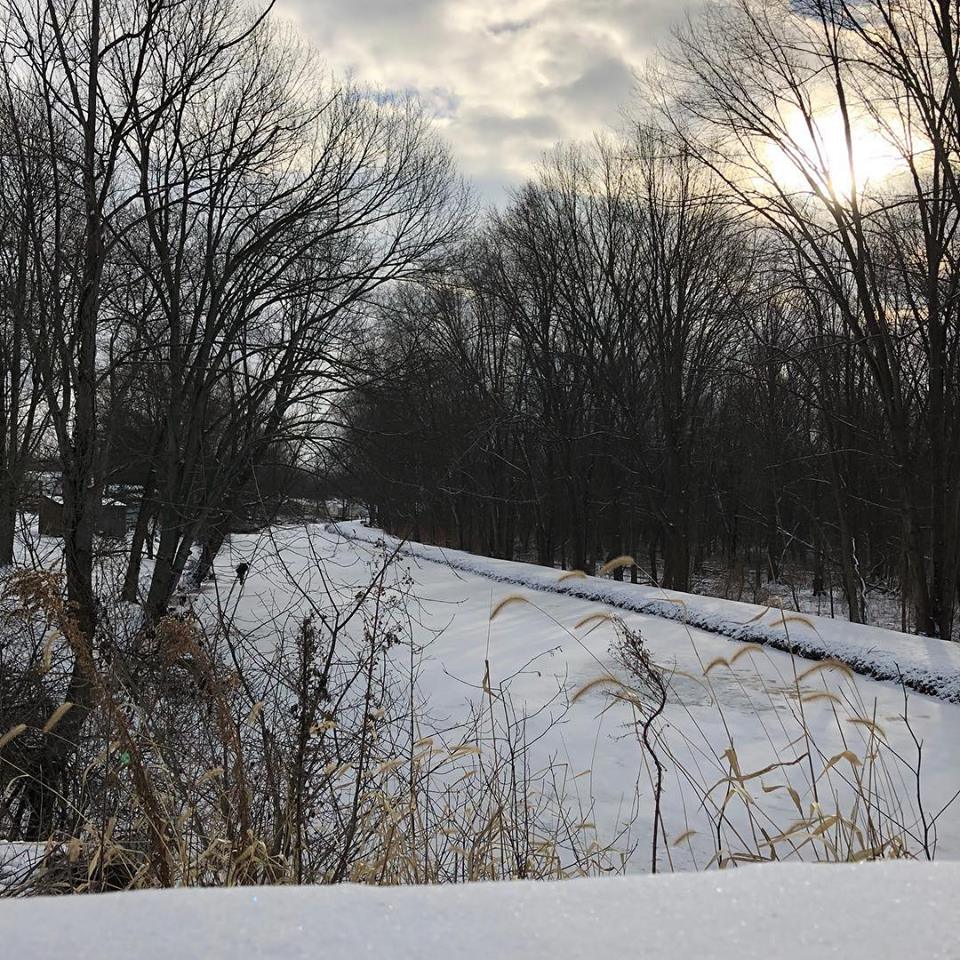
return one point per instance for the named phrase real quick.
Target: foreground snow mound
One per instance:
(790, 912)
(924, 664)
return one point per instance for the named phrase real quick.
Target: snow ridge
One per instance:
(884, 911)
(923, 664)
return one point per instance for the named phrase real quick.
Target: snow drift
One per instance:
(791, 912)
(924, 664)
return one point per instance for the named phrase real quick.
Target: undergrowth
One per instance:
(217, 756)
(303, 751)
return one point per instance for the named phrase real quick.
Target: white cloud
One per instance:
(506, 78)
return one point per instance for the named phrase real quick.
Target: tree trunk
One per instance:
(211, 542)
(8, 523)
(131, 580)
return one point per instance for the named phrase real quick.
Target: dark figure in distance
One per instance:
(242, 569)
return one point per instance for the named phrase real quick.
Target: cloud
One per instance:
(505, 79)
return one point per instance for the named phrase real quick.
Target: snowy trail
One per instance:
(791, 912)
(927, 665)
(535, 652)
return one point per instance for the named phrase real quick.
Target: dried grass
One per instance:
(501, 605)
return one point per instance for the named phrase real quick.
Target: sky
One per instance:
(505, 79)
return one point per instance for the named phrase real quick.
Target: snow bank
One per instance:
(926, 665)
(791, 912)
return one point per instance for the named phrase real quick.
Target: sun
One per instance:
(816, 150)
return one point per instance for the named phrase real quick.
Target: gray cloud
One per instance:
(510, 26)
(505, 79)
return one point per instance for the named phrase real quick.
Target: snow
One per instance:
(18, 860)
(538, 659)
(791, 912)
(588, 749)
(924, 664)
(534, 655)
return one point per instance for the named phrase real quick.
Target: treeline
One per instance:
(732, 334)
(192, 214)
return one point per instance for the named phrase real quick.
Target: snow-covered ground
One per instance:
(787, 912)
(725, 694)
(533, 651)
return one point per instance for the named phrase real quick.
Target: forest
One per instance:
(715, 351)
(728, 337)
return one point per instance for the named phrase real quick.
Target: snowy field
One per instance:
(534, 657)
(732, 705)
(787, 912)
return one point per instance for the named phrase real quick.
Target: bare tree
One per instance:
(783, 98)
